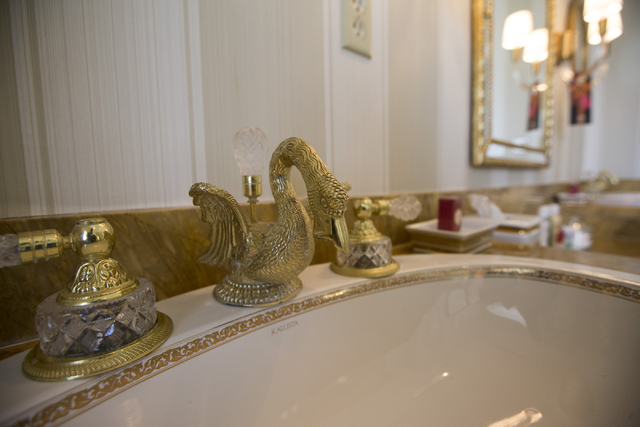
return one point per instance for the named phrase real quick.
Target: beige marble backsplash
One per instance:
(163, 246)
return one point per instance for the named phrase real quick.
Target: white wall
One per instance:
(108, 116)
(123, 105)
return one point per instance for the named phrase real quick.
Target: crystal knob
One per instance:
(250, 150)
(9, 254)
(405, 207)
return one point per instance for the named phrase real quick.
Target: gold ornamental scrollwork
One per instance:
(98, 281)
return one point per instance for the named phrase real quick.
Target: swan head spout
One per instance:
(328, 201)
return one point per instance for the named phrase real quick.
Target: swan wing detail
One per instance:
(228, 224)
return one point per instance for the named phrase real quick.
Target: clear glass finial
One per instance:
(250, 150)
(405, 207)
(9, 255)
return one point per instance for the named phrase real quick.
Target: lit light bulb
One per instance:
(250, 150)
(593, 34)
(597, 10)
(614, 28)
(517, 28)
(537, 47)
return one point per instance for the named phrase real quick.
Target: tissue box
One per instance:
(475, 235)
(519, 230)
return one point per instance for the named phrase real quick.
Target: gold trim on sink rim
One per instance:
(96, 392)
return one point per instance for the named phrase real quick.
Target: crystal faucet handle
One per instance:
(250, 150)
(9, 254)
(405, 207)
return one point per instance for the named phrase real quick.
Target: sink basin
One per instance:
(631, 199)
(455, 340)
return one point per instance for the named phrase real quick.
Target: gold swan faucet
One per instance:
(106, 318)
(265, 259)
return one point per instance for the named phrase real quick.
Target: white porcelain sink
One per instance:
(450, 340)
(630, 199)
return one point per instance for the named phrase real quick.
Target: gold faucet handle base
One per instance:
(255, 294)
(42, 367)
(376, 272)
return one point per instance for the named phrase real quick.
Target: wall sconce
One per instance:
(601, 23)
(532, 46)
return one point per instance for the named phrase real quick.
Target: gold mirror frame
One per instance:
(481, 137)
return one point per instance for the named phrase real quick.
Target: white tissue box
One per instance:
(475, 235)
(519, 230)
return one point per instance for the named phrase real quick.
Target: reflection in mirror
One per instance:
(512, 99)
(584, 56)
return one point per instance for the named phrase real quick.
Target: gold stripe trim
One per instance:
(78, 402)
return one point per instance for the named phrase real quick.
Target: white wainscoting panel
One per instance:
(107, 119)
(358, 94)
(262, 65)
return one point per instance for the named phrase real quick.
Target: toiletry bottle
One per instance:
(544, 213)
(556, 222)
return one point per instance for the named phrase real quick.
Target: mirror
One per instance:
(512, 117)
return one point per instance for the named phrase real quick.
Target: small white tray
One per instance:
(520, 221)
(471, 226)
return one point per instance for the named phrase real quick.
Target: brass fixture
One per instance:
(266, 258)
(369, 250)
(526, 45)
(487, 149)
(103, 320)
(250, 150)
(585, 28)
(252, 189)
(604, 179)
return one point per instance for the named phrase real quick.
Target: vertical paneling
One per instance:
(81, 142)
(453, 62)
(127, 97)
(262, 65)
(196, 101)
(146, 85)
(14, 190)
(413, 109)
(359, 138)
(106, 116)
(123, 105)
(107, 138)
(172, 87)
(29, 88)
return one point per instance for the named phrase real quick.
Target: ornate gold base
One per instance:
(387, 270)
(255, 294)
(39, 366)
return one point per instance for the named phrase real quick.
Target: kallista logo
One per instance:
(284, 327)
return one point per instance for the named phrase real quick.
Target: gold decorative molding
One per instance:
(98, 281)
(482, 84)
(77, 402)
